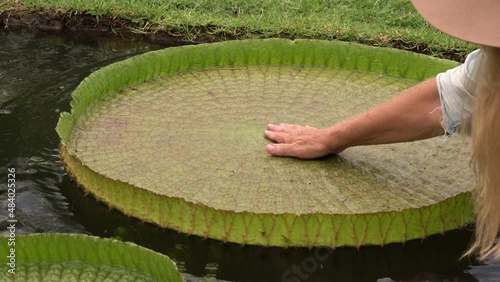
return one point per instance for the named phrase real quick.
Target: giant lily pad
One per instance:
(77, 257)
(175, 137)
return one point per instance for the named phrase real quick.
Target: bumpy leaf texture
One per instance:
(175, 137)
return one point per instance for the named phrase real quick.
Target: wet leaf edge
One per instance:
(282, 230)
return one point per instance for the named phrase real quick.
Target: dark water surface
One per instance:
(38, 74)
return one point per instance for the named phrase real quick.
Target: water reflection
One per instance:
(37, 76)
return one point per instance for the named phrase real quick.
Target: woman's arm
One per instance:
(413, 115)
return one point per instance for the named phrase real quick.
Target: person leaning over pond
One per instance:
(465, 99)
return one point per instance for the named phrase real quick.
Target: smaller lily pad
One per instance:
(77, 257)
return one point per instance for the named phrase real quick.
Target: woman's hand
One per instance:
(305, 142)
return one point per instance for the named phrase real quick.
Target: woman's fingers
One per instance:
(285, 127)
(277, 136)
(285, 133)
(279, 127)
(282, 150)
(276, 149)
(294, 141)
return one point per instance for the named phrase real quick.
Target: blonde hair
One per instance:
(485, 161)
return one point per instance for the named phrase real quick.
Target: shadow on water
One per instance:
(38, 74)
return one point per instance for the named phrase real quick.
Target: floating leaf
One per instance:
(175, 137)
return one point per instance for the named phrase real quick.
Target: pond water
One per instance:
(38, 74)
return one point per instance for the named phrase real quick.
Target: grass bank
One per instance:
(390, 23)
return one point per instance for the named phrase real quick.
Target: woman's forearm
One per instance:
(414, 114)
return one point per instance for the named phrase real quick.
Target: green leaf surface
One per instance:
(175, 137)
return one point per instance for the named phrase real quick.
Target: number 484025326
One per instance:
(11, 192)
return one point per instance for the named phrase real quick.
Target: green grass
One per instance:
(392, 23)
